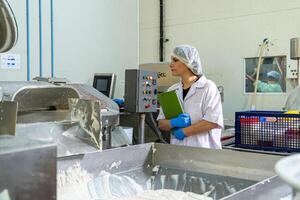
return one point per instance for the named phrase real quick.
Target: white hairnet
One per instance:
(190, 57)
(274, 74)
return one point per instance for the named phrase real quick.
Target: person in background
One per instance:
(272, 85)
(202, 122)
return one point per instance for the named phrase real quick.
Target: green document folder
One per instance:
(170, 104)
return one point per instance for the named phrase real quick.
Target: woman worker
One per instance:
(272, 84)
(202, 122)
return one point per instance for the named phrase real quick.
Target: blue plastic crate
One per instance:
(267, 130)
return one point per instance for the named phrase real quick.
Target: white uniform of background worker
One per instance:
(202, 122)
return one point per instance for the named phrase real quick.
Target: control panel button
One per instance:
(154, 102)
(154, 81)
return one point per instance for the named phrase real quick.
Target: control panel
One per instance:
(140, 91)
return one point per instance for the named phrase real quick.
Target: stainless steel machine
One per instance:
(67, 114)
(220, 174)
(54, 119)
(28, 171)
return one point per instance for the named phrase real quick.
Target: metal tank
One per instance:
(295, 48)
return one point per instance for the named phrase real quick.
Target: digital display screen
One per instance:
(102, 85)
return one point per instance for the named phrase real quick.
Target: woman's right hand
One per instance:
(164, 125)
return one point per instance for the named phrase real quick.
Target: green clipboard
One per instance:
(170, 104)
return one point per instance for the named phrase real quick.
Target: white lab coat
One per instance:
(203, 102)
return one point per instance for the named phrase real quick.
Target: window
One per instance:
(271, 76)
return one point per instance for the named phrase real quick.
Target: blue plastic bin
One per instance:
(267, 130)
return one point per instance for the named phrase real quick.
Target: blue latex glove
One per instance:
(182, 121)
(119, 101)
(179, 134)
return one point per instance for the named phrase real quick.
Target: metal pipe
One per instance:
(28, 39)
(298, 72)
(41, 38)
(142, 119)
(161, 31)
(52, 38)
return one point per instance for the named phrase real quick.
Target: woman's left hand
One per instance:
(179, 134)
(182, 121)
